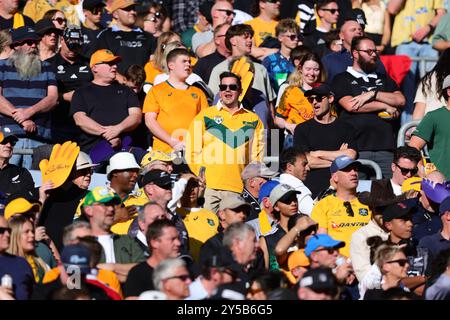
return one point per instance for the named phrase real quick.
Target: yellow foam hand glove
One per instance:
(242, 68)
(59, 166)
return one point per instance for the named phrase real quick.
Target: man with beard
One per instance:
(370, 102)
(124, 38)
(28, 92)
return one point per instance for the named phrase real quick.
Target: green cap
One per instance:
(101, 195)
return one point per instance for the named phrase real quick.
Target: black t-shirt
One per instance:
(107, 105)
(89, 41)
(70, 77)
(311, 136)
(14, 179)
(317, 42)
(134, 47)
(8, 23)
(58, 211)
(372, 132)
(140, 279)
(205, 65)
(210, 248)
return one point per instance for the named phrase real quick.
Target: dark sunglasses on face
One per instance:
(59, 20)
(332, 11)
(292, 37)
(28, 42)
(329, 250)
(85, 172)
(8, 141)
(97, 10)
(228, 12)
(349, 209)
(317, 98)
(129, 8)
(369, 51)
(405, 171)
(401, 262)
(4, 229)
(232, 87)
(272, 1)
(183, 277)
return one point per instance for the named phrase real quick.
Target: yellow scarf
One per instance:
(264, 222)
(18, 21)
(34, 267)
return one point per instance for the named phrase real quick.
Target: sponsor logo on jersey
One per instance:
(363, 212)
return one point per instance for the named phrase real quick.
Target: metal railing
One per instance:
(401, 137)
(422, 63)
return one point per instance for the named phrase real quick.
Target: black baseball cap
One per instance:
(159, 177)
(22, 34)
(322, 90)
(398, 210)
(319, 280)
(45, 25)
(91, 4)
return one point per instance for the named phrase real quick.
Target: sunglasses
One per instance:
(228, 12)
(232, 87)
(28, 43)
(292, 37)
(183, 277)
(129, 8)
(85, 172)
(332, 11)
(272, 1)
(60, 20)
(349, 209)
(329, 250)
(4, 229)
(8, 141)
(401, 262)
(369, 51)
(97, 10)
(317, 98)
(405, 171)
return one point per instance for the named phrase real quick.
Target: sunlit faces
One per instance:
(168, 244)
(401, 227)
(27, 237)
(106, 70)
(6, 150)
(321, 104)
(180, 66)
(59, 20)
(349, 30)
(242, 45)
(366, 55)
(101, 215)
(310, 72)
(330, 12)
(231, 92)
(247, 248)
(325, 257)
(403, 169)
(229, 216)
(126, 16)
(223, 13)
(397, 266)
(299, 168)
(83, 178)
(289, 39)
(177, 286)
(271, 7)
(287, 205)
(126, 178)
(347, 178)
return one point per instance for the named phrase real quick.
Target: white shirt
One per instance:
(396, 188)
(108, 247)
(360, 251)
(305, 202)
(141, 237)
(197, 291)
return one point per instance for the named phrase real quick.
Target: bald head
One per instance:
(349, 30)
(222, 12)
(436, 177)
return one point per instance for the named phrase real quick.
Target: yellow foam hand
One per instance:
(241, 68)
(59, 166)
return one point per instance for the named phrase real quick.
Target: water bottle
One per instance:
(7, 281)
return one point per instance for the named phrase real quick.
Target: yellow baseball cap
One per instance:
(120, 4)
(413, 183)
(156, 155)
(20, 206)
(298, 259)
(103, 55)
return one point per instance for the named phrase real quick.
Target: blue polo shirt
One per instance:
(21, 273)
(337, 62)
(425, 223)
(435, 244)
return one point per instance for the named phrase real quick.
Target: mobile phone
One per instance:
(201, 173)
